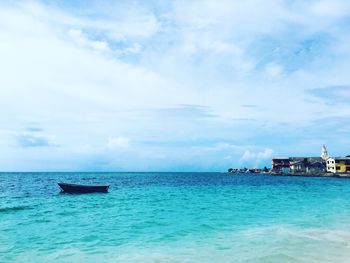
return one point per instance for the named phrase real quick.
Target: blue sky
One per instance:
(171, 85)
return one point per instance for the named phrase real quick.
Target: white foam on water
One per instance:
(281, 243)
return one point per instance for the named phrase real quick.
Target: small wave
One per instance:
(14, 209)
(289, 231)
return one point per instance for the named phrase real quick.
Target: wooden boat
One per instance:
(83, 188)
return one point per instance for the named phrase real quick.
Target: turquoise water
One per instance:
(174, 217)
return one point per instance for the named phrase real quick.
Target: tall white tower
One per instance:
(324, 153)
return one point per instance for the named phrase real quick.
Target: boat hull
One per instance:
(83, 189)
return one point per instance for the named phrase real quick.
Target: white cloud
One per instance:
(256, 158)
(333, 8)
(79, 38)
(28, 140)
(118, 142)
(32, 137)
(273, 69)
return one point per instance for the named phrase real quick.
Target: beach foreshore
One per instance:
(345, 175)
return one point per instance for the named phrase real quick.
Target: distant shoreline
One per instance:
(333, 175)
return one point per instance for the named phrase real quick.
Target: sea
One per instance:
(175, 217)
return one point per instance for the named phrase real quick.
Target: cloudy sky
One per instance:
(171, 85)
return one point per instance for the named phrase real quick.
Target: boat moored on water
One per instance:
(83, 188)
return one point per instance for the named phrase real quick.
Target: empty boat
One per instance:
(83, 188)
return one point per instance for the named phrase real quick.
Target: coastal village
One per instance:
(305, 166)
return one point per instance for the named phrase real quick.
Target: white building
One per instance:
(331, 165)
(338, 165)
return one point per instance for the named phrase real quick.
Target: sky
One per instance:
(171, 85)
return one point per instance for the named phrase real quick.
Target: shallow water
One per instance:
(174, 217)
